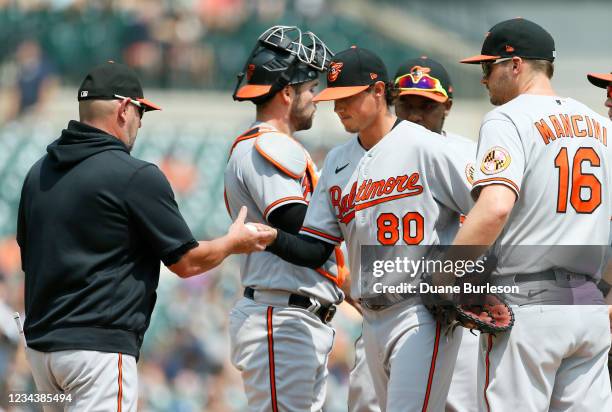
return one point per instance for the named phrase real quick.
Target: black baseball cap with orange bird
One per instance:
(515, 37)
(352, 71)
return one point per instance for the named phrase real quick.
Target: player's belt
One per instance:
(554, 275)
(325, 313)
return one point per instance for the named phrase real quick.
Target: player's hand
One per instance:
(249, 237)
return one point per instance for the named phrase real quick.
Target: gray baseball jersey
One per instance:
(357, 198)
(266, 170)
(330, 215)
(553, 153)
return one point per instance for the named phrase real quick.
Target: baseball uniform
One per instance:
(462, 395)
(361, 396)
(280, 349)
(553, 153)
(410, 358)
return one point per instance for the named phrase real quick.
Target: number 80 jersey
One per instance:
(409, 189)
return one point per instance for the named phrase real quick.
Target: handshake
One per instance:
(249, 237)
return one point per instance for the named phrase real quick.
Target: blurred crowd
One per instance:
(173, 44)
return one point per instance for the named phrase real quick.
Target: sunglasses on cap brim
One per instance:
(488, 65)
(140, 106)
(422, 83)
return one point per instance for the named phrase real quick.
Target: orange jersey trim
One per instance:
(278, 165)
(342, 270)
(487, 373)
(271, 360)
(226, 203)
(324, 235)
(249, 134)
(120, 382)
(498, 180)
(432, 367)
(283, 200)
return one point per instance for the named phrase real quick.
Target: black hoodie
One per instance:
(93, 225)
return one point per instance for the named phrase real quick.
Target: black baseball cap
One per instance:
(109, 80)
(602, 80)
(516, 37)
(352, 71)
(417, 68)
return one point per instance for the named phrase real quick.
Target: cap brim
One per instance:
(149, 106)
(602, 80)
(250, 91)
(335, 93)
(440, 98)
(479, 59)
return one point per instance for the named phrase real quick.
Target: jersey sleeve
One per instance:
(267, 186)
(451, 166)
(151, 204)
(321, 221)
(500, 158)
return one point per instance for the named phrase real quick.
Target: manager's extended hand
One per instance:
(249, 237)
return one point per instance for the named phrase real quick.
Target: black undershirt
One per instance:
(298, 249)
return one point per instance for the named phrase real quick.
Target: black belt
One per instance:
(325, 313)
(549, 275)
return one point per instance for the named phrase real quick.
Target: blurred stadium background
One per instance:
(187, 53)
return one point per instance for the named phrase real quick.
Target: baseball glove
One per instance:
(488, 313)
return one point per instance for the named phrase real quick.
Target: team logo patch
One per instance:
(469, 173)
(417, 72)
(334, 71)
(509, 48)
(250, 70)
(496, 160)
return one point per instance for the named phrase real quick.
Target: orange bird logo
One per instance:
(334, 71)
(250, 71)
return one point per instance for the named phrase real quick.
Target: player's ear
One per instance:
(122, 111)
(287, 94)
(448, 104)
(517, 65)
(379, 89)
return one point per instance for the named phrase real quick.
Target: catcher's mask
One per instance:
(282, 56)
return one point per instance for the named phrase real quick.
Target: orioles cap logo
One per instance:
(373, 76)
(418, 71)
(509, 48)
(250, 70)
(334, 71)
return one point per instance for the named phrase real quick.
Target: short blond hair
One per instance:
(542, 66)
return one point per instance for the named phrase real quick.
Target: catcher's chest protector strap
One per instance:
(284, 152)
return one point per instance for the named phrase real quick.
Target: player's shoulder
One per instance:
(454, 137)
(418, 136)
(583, 108)
(283, 152)
(344, 150)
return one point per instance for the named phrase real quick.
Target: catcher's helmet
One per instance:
(283, 55)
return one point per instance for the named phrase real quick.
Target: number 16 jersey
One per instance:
(553, 153)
